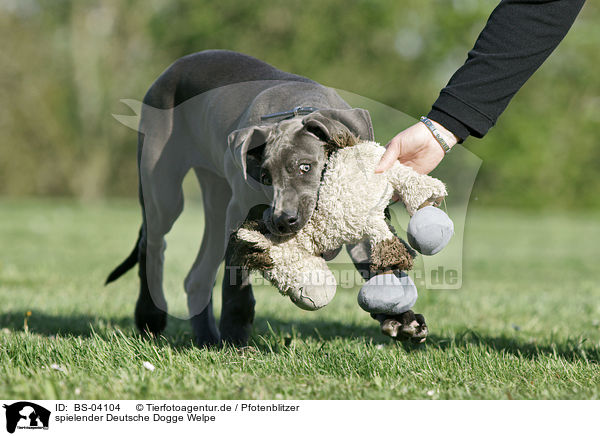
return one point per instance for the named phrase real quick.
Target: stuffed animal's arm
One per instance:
(250, 248)
(415, 189)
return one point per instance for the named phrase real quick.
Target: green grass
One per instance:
(524, 325)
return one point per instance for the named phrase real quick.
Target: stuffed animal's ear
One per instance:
(247, 146)
(331, 124)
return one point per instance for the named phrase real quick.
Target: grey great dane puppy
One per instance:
(227, 116)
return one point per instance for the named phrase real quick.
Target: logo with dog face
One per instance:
(26, 415)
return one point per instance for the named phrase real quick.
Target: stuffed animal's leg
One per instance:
(390, 296)
(400, 326)
(306, 279)
(391, 254)
(388, 251)
(416, 190)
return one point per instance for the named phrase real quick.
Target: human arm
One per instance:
(518, 37)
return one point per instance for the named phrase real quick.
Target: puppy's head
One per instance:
(288, 158)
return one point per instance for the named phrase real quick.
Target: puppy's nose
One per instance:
(285, 222)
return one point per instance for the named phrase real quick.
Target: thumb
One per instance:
(390, 156)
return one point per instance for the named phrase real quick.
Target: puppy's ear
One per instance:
(329, 124)
(247, 146)
(333, 133)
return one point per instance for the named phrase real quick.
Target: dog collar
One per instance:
(298, 110)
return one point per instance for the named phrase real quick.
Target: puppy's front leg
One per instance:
(237, 311)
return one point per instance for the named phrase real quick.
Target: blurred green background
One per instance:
(65, 64)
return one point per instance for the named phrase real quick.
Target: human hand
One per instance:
(417, 148)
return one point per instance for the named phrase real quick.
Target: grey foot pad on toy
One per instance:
(391, 294)
(429, 230)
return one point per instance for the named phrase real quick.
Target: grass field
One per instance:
(526, 323)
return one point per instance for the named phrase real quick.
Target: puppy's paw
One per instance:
(149, 319)
(406, 326)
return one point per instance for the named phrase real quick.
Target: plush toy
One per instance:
(350, 209)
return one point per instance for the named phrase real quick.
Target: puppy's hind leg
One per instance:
(162, 203)
(200, 280)
(150, 317)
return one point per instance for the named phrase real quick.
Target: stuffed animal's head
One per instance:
(288, 158)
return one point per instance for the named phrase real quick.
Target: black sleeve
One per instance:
(517, 39)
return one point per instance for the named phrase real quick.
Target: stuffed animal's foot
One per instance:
(429, 230)
(391, 294)
(406, 326)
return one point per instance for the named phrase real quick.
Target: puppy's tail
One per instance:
(127, 264)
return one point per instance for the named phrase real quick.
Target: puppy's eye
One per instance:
(265, 179)
(304, 168)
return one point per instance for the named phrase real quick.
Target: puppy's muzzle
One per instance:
(286, 222)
